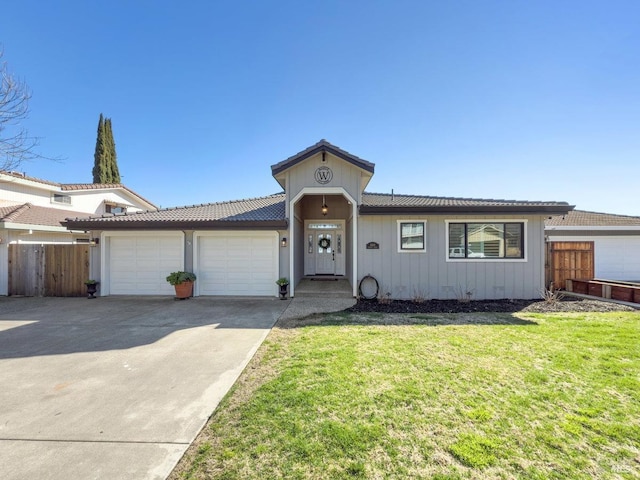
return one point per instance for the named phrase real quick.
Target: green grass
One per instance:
(540, 396)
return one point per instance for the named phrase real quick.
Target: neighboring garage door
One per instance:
(237, 263)
(140, 263)
(618, 258)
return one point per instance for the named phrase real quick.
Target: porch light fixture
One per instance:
(324, 207)
(283, 242)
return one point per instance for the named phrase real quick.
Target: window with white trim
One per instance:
(486, 240)
(114, 208)
(411, 236)
(61, 198)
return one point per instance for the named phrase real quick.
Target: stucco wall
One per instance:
(85, 201)
(429, 274)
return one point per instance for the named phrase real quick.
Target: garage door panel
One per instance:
(139, 265)
(618, 258)
(230, 263)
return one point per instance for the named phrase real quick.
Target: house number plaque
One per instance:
(373, 246)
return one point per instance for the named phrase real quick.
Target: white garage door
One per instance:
(139, 264)
(237, 263)
(618, 258)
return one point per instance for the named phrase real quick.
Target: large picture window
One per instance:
(411, 236)
(486, 240)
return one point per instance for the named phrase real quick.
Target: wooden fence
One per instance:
(567, 260)
(48, 270)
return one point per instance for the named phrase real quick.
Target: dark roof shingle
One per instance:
(373, 203)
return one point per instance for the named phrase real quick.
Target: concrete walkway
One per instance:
(300, 307)
(117, 387)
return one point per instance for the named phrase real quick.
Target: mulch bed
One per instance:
(567, 304)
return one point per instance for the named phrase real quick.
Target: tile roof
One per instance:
(321, 146)
(76, 186)
(29, 214)
(268, 211)
(582, 218)
(24, 176)
(388, 203)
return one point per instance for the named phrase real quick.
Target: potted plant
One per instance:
(183, 283)
(92, 287)
(283, 283)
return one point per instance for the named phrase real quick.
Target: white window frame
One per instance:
(399, 236)
(61, 195)
(487, 220)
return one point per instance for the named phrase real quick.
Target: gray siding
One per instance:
(429, 274)
(345, 175)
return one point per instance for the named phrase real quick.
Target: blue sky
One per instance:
(528, 100)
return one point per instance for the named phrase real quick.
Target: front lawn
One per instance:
(433, 396)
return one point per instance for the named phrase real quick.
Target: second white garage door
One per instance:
(237, 263)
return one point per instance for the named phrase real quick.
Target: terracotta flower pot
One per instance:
(184, 290)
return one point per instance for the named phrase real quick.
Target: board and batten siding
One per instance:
(345, 175)
(408, 275)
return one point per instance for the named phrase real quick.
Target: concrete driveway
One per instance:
(117, 387)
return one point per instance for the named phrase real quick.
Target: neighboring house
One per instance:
(593, 245)
(31, 211)
(323, 225)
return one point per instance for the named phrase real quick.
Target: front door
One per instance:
(325, 247)
(325, 255)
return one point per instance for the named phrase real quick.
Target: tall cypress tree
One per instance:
(105, 166)
(112, 156)
(100, 154)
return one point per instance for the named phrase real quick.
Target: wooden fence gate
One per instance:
(566, 260)
(48, 270)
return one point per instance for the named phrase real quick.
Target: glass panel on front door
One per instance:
(325, 256)
(324, 243)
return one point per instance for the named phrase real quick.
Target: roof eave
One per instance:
(33, 226)
(609, 228)
(179, 225)
(287, 164)
(476, 209)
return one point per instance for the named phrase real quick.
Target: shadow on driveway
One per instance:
(51, 326)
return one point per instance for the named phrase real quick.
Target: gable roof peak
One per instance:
(322, 146)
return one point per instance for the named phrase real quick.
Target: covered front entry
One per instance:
(324, 239)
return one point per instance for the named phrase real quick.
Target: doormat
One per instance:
(324, 279)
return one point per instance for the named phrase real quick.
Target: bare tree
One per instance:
(16, 145)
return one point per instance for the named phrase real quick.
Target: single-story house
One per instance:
(324, 224)
(31, 212)
(585, 244)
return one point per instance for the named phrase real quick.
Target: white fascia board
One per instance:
(586, 227)
(29, 183)
(38, 228)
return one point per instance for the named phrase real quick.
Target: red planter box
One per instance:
(622, 293)
(595, 289)
(581, 286)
